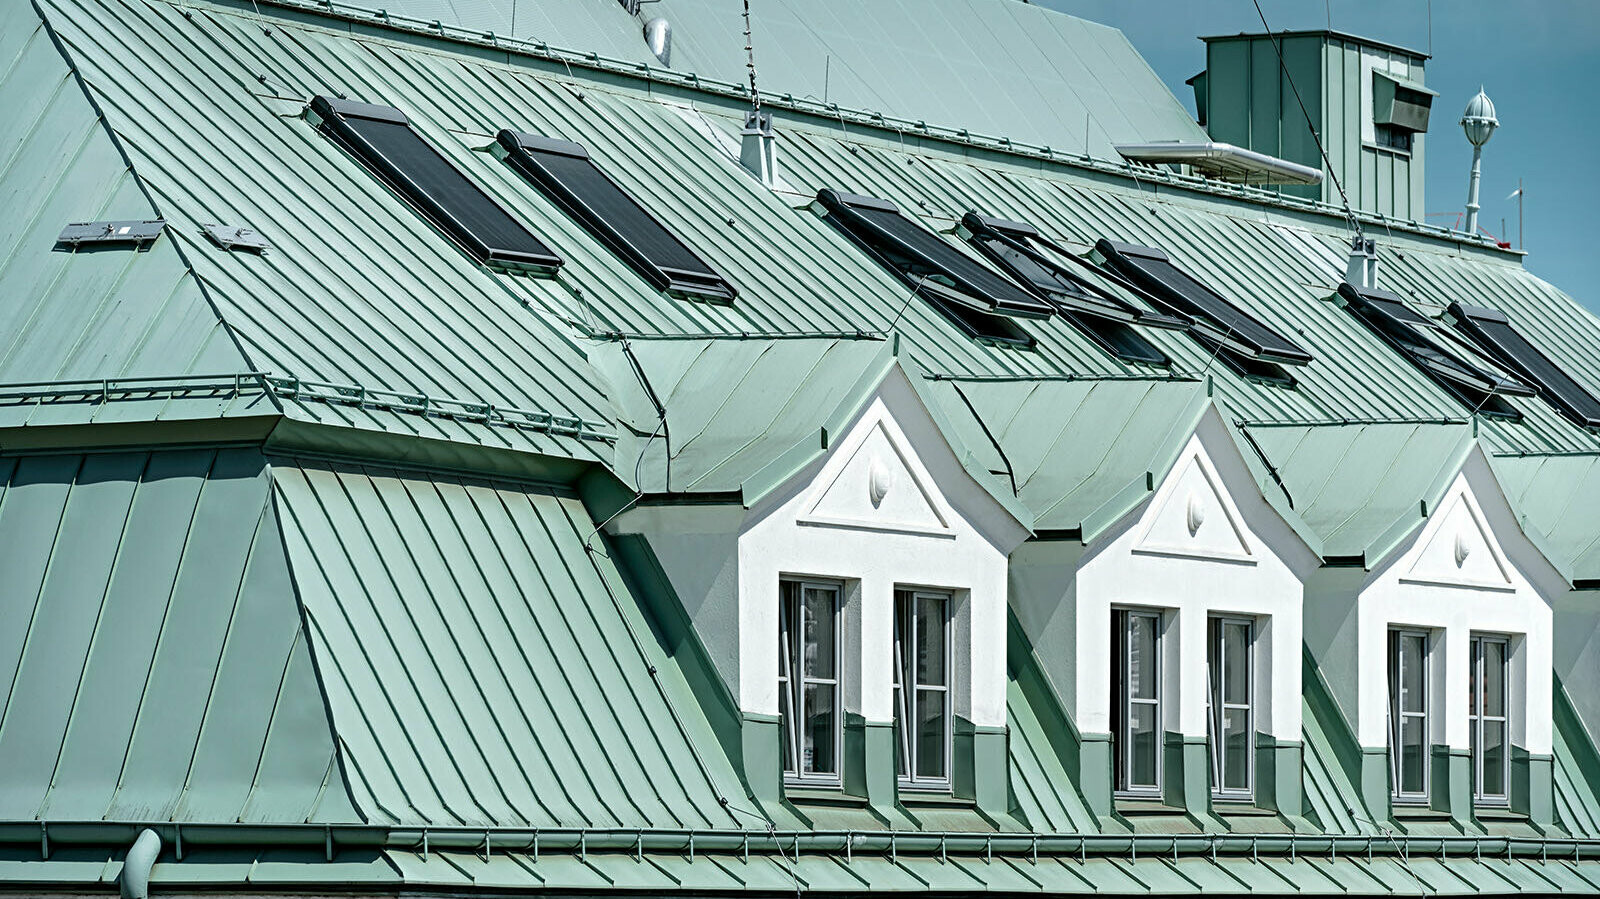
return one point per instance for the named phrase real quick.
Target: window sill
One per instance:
(1419, 812)
(1143, 807)
(932, 799)
(805, 795)
(1497, 813)
(1233, 808)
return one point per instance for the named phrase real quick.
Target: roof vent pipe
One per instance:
(758, 147)
(141, 857)
(1362, 270)
(658, 36)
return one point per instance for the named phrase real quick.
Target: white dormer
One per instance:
(1179, 635)
(1440, 656)
(867, 589)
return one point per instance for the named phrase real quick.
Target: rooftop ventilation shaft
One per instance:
(658, 36)
(1362, 270)
(758, 147)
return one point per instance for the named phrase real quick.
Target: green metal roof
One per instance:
(154, 660)
(481, 664)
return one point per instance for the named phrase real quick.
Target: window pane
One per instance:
(819, 650)
(1412, 661)
(930, 734)
(1494, 678)
(1413, 755)
(817, 736)
(1144, 745)
(1236, 670)
(1236, 750)
(930, 641)
(1494, 759)
(1141, 657)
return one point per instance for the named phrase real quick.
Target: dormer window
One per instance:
(922, 688)
(1408, 715)
(1230, 643)
(1488, 721)
(809, 714)
(1136, 712)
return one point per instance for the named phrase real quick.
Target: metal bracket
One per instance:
(134, 232)
(236, 237)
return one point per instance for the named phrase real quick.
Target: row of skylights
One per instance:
(381, 137)
(1041, 279)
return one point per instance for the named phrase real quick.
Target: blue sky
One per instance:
(1539, 60)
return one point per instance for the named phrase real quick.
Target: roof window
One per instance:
(566, 174)
(1434, 350)
(381, 138)
(1491, 332)
(1017, 249)
(976, 299)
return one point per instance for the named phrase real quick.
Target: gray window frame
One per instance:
(1394, 659)
(1121, 738)
(906, 687)
(792, 689)
(1216, 707)
(1476, 718)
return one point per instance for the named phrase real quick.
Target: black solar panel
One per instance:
(918, 253)
(1214, 317)
(1413, 336)
(381, 137)
(1491, 331)
(568, 176)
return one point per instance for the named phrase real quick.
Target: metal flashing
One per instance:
(231, 237)
(134, 232)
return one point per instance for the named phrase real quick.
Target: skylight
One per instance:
(1015, 247)
(1491, 332)
(381, 138)
(976, 299)
(1430, 347)
(1246, 345)
(569, 177)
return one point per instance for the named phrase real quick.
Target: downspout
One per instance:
(135, 879)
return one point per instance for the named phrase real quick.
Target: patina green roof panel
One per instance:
(356, 290)
(1555, 498)
(158, 645)
(90, 312)
(1004, 69)
(1044, 793)
(1353, 483)
(1071, 446)
(479, 666)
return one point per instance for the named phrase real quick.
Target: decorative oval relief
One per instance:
(1462, 549)
(1197, 514)
(879, 480)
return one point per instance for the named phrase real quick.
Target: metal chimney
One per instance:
(1362, 270)
(1479, 124)
(758, 147)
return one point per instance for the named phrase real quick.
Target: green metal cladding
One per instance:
(301, 550)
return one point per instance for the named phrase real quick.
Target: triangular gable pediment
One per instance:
(1459, 549)
(1194, 516)
(876, 481)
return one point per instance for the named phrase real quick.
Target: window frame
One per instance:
(1217, 706)
(1479, 324)
(1395, 658)
(908, 739)
(1107, 320)
(1418, 339)
(1477, 718)
(1123, 702)
(520, 150)
(791, 689)
(331, 115)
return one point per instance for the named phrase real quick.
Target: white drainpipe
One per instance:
(135, 879)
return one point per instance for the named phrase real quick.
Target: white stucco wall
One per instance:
(1467, 570)
(1205, 543)
(935, 527)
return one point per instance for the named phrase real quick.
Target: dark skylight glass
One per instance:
(1018, 249)
(1215, 319)
(567, 175)
(974, 298)
(1429, 347)
(382, 138)
(1492, 332)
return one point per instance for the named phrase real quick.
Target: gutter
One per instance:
(579, 841)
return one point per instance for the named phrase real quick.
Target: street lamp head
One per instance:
(1479, 121)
